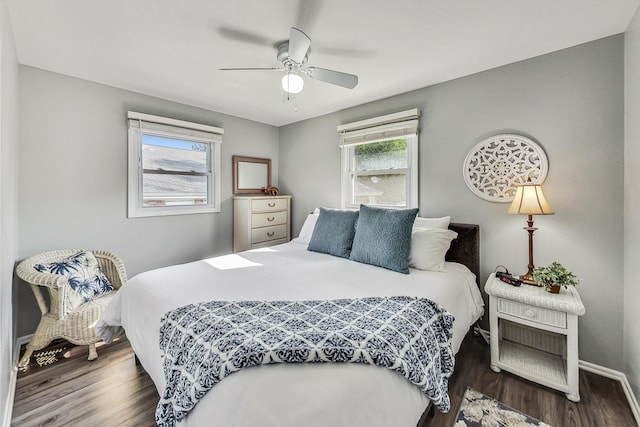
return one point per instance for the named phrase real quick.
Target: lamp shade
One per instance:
(529, 200)
(292, 83)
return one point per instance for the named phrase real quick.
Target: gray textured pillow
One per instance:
(383, 237)
(334, 231)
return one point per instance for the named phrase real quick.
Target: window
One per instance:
(380, 161)
(174, 166)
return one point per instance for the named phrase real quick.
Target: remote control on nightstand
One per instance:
(507, 278)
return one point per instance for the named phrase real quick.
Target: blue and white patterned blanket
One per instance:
(204, 343)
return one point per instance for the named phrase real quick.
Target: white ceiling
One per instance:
(173, 49)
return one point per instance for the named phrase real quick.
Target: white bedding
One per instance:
(289, 394)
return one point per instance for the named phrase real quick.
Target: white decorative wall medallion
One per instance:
(497, 164)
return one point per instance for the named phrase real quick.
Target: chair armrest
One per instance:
(112, 266)
(26, 272)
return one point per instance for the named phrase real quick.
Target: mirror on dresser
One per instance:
(251, 174)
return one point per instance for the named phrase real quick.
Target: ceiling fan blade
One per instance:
(252, 69)
(308, 13)
(244, 36)
(334, 77)
(299, 44)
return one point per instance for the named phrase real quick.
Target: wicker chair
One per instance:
(77, 326)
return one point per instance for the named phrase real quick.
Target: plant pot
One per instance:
(554, 289)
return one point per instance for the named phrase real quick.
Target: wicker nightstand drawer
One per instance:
(533, 313)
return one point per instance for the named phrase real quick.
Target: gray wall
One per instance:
(8, 202)
(73, 177)
(72, 172)
(571, 103)
(632, 204)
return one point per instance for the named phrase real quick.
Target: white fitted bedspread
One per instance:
(318, 394)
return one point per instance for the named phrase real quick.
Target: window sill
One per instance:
(163, 211)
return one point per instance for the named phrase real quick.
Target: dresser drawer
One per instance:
(532, 313)
(265, 234)
(267, 219)
(266, 205)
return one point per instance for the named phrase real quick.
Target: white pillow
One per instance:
(307, 229)
(442, 223)
(428, 248)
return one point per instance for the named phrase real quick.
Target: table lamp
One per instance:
(529, 200)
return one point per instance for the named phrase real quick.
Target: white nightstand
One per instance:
(534, 334)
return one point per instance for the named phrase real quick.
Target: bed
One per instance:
(316, 394)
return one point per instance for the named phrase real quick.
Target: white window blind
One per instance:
(391, 126)
(172, 127)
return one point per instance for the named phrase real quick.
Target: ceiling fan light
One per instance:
(292, 83)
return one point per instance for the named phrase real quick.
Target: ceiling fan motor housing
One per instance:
(283, 56)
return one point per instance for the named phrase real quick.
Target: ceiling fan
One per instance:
(293, 55)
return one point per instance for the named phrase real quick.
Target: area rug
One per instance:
(478, 410)
(54, 352)
(48, 357)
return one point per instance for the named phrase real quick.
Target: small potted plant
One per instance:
(553, 277)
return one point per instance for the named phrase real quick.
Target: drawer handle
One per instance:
(271, 219)
(271, 205)
(530, 314)
(270, 233)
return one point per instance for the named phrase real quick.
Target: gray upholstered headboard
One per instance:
(465, 248)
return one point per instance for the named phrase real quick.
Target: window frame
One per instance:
(410, 172)
(140, 124)
(378, 129)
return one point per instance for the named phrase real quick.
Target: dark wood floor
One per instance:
(109, 391)
(602, 400)
(113, 391)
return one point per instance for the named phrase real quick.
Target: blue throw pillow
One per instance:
(334, 231)
(383, 237)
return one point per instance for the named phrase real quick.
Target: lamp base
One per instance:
(528, 280)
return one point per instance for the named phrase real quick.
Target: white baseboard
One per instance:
(20, 341)
(16, 350)
(8, 412)
(615, 375)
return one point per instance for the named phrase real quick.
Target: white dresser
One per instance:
(260, 221)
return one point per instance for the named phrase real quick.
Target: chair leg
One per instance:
(38, 342)
(25, 359)
(93, 354)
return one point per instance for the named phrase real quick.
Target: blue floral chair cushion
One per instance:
(86, 279)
